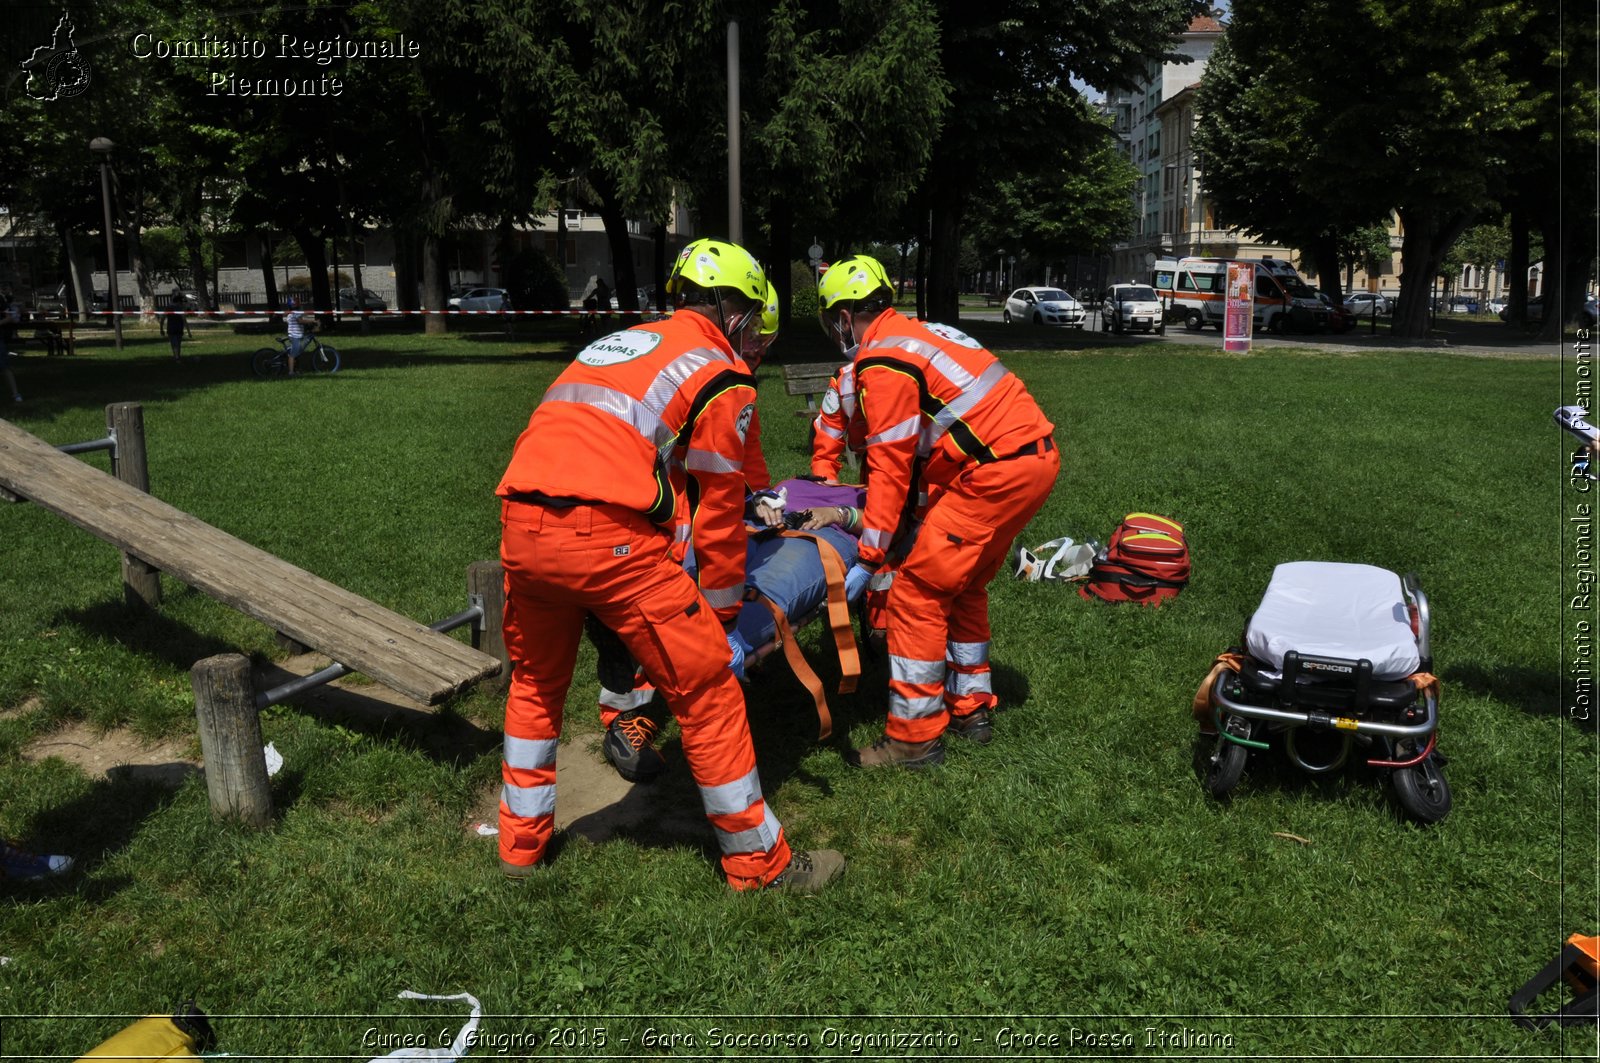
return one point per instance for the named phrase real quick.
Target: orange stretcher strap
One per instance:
(1226, 662)
(784, 635)
(844, 635)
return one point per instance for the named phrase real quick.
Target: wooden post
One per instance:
(230, 739)
(141, 583)
(486, 582)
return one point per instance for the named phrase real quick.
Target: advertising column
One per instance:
(1238, 307)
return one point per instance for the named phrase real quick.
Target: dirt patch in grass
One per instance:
(117, 753)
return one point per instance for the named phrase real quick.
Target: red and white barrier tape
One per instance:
(375, 313)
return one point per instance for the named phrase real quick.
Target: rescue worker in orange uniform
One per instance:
(838, 426)
(625, 692)
(943, 417)
(589, 517)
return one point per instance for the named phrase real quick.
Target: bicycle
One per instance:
(274, 361)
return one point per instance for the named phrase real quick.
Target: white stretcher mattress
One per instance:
(1331, 609)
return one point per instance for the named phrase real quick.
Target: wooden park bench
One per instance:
(414, 659)
(809, 379)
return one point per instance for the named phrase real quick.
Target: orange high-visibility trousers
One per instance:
(938, 609)
(611, 561)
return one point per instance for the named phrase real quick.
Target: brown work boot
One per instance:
(977, 726)
(809, 871)
(888, 752)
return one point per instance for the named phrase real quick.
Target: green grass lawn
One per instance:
(1073, 870)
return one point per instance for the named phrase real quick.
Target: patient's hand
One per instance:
(821, 517)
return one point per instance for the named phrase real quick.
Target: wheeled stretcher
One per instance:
(1336, 662)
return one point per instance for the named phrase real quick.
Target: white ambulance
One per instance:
(1193, 289)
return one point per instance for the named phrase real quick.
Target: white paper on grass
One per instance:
(458, 1048)
(1331, 609)
(274, 760)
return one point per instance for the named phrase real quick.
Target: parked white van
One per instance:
(1193, 289)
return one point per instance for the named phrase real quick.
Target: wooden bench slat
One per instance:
(393, 649)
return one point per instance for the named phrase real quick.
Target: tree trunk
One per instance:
(660, 239)
(922, 269)
(1517, 267)
(433, 273)
(78, 274)
(1324, 255)
(316, 254)
(624, 281)
(269, 280)
(781, 254)
(944, 238)
(131, 209)
(1427, 237)
(405, 269)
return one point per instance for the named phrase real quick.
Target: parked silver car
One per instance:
(369, 301)
(1129, 307)
(1365, 304)
(480, 299)
(1043, 306)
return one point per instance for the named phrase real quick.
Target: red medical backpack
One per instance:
(1147, 561)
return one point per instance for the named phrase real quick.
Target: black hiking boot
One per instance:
(628, 747)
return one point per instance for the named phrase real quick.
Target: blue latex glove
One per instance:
(855, 581)
(737, 648)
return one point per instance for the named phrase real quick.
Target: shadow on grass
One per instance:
(145, 632)
(1534, 691)
(101, 823)
(1269, 773)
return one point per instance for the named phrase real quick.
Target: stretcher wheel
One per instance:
(1226, 763)
(1422, 791)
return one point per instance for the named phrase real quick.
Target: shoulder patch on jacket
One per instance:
(743, 424)
(619, 347)
(953, 334)
(830, 401)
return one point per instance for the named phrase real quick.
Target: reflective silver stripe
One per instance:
(904, 430)
(827, 429)
(676, 373)
(910, 670)
(968, 652)
(756, 840)
(681, 532)
(907, 343)
(951, 370)
(530, 752)
(711, 461)
(914, 708)
(972, 393)
(723, 597)
(642, 418)
(881, 580)
(636, 698)
(959, 683)
(530, 802)
(873, 538)
(724, 799)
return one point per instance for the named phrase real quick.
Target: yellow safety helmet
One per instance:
(854, 278)
(716, 264)
(769, 312)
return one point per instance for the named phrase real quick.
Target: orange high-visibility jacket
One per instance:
(837, 426)
(659, 418)
(933, 397)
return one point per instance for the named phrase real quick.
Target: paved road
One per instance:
(1492, 342)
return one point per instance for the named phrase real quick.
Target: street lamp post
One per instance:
(103, 147)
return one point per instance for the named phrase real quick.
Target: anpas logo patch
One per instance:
(954, 335)
(746, 415)
(620, 347)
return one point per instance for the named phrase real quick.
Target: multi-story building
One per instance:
(1155, 122)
